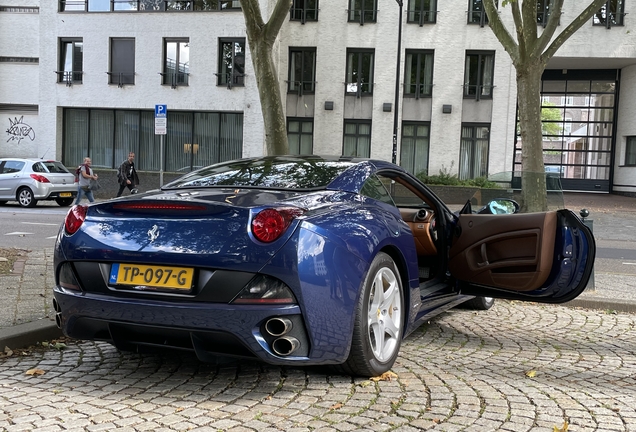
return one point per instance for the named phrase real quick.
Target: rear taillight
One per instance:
(269, 224)
(40, 178)
(74, 219)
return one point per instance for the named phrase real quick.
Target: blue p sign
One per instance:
(161, 111)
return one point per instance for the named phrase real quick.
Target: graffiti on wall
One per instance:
(19, 130)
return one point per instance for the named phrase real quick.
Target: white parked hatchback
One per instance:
(29, 180)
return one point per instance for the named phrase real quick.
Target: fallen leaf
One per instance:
(561, 429)
(35, 372)
(336, 406)
(365, 384)
(436, 420)
(7, 352)
(45, 344)
(179, 409)
(531, 373)
(59, 346)
(386, 376)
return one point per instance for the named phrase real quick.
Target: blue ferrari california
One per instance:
(301, 260)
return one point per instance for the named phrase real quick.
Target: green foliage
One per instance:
(445, 178)
(550, 118)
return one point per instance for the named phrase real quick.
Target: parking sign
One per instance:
(161, 119)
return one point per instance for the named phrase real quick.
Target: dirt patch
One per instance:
(8, 258)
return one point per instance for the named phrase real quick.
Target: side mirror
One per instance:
(500, 206)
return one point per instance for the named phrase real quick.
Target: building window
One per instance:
(630, 151)
(357, 138)
(612, 13)
(231, 62)
(147, 5)
(122, 61)
(418, 74)
(422, 12)
(415, 147)
(477, 12)
(478, 74)
(302, 71)
(304, 10)
(359, 79)
(543, 12)
(362, 11)
(71, 61)
(176, 62)
(196, 5)
(473, 151)
(300, 135)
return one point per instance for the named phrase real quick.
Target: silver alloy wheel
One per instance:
(385, 314)
(25, 197)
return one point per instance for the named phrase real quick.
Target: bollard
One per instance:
(590, 224)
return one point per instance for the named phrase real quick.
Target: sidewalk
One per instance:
(28, 316)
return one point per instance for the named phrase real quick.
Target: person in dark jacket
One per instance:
(127, 175)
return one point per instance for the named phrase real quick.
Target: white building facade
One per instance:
(82, 77)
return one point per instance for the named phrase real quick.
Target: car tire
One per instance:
(25, 197)
(379, 320)
(64, 202)
(479, 303)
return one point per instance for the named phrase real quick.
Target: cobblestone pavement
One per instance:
(461, 371)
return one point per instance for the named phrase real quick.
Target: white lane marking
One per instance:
(52, 237)
(629, 263)
(40, 223)
(19, 233)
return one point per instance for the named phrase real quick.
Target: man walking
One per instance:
(84, 181)
(127, 175)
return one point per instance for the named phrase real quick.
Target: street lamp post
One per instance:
(397, 84)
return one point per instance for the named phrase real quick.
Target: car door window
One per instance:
(373, 188)
(12, 167)
(38, 167)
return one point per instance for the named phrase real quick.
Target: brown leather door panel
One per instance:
(504, 251)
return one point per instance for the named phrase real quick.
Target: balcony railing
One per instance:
(421, 17)
(609, 20)
(69, 77)
(230, 79)
(478, 91)
(121, 78)
(362, 16)
(175, 79)
(303, 15)
(418, 90)
(302, 87)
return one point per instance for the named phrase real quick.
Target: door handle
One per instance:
(484, 256)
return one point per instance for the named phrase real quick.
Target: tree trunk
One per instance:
(533, 182)
(270, 97)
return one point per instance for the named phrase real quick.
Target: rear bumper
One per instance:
(207, 329)
(46, 191)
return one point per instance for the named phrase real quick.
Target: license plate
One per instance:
(150, 276)
(65, 194)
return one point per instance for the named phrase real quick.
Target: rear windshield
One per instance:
(54, 167)
(276, 173)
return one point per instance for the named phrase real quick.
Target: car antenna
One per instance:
(42, 157)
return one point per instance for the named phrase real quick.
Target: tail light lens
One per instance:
(269, 224)
(74, 219)
(40, 178)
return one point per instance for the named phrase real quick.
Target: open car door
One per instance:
(543, 257)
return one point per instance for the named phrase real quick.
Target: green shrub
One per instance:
(445, 178)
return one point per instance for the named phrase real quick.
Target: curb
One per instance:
(24, 335)
(605, 304)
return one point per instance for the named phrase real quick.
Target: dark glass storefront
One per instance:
(194, 139)
(578, 118)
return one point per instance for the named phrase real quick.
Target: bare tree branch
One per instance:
(555, 8)
(500, 31)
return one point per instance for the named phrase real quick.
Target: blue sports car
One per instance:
(301, 260)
